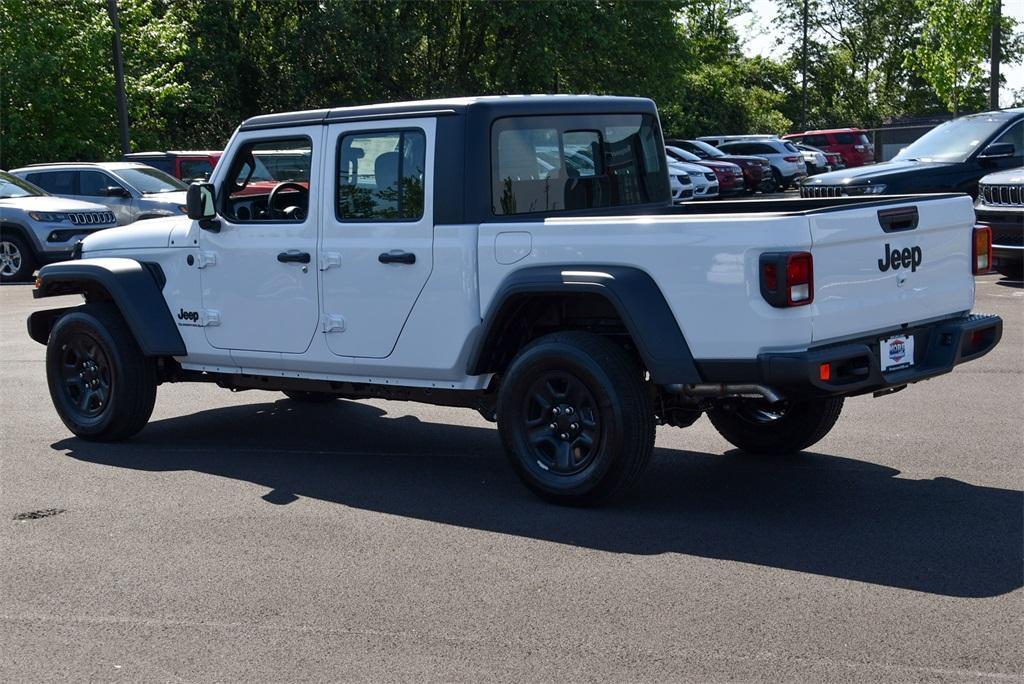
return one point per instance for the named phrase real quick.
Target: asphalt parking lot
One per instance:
(243, 536)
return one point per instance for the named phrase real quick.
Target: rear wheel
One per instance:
(780, 184)
(791, 427)
(16, 260)
(101, 385)
(575, 418)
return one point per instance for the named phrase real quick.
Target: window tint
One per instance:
(56, 182)
(789, 146)
(165, 165)
(94, 183)
(196, 169)
(815, 140)
(555, 163)
(250, 182)
(846, 139)
(1015, 136)
(381, 176)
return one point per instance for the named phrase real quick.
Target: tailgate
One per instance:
(876, 267)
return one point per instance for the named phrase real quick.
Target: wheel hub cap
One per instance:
(562, 425)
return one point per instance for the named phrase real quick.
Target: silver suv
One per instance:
(36, 228)
(131, 190)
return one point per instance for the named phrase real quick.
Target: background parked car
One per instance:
(680, 183)
(704, 181)
(814, 159)
(851, 143)
(951, 157)
(787, 163)
(730, 176)
(37, 228)
(185, 166)
(1000, 206)
(131, 190)
(757, 171)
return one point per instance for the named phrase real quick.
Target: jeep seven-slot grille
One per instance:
(821, 190)
(91, 218)
(1003, 195)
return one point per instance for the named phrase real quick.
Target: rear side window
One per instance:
(381, 176)
(565, 163)
(815, 140)
(846, 139)
(790, 147)
(165, 165)
(56, 182)
(196, 169)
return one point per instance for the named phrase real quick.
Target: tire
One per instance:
(780, 184)
(101, 385)
(789, 430)
(308, 397)
(17, 262)
(578, 375)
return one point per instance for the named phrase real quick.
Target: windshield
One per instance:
(703, 149)
(12, 186)
(681, 155)
(150, 181)
(953, 141)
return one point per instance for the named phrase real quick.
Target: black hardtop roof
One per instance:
(493, 106)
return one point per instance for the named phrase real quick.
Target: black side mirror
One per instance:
(115, 191)
(997, 150)
(200, 201)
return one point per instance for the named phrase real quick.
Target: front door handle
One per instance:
(397, 258)
(293, 255)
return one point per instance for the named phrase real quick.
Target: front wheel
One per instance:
(791, 427)
(575, 418)
(101, 385)
(16, 262)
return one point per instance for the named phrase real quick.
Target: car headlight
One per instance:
(857, 190)
(48, 216)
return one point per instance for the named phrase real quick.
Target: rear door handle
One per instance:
(397, 258)
(293, 255)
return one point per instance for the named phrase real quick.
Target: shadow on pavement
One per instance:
(809, 512)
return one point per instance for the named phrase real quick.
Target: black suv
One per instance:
(951, 157)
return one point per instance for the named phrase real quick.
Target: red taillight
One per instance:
(825, 372)
(787, 278)
(981, 249)
(793, 159)
(800, 279)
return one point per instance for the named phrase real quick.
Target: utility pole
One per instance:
(122, 98)
(803, 68)
(995, 49)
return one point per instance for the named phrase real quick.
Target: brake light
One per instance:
(793, 158)
(787, 278)
(981, 249)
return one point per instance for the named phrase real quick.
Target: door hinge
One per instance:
(328, 259)
(205, 259)
(333, 323)
(209, 317)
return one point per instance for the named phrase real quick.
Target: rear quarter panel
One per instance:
(706, 266)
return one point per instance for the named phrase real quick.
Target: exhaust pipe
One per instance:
(722, 390)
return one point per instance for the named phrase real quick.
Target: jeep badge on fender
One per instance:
(908, 256)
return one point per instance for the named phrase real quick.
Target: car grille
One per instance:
(1007, 236)
(91, 218)
(821, 190)
(1003, 195)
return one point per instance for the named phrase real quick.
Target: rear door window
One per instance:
(815, 140)
(56, 182)
(381, 176)
(546, 164)
(846, 139)
(196, 169)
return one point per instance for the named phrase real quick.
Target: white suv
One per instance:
(787, 162)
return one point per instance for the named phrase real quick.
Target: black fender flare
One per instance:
(632, 292)
(15, 228)
(135, 289)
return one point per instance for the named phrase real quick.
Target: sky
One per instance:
(759, 31)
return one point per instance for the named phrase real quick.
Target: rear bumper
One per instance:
(855, 366)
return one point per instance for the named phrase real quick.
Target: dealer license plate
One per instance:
(897, 352)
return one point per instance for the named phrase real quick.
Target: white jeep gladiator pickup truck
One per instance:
(521, 256)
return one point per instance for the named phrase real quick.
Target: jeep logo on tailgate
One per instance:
(896, 258)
